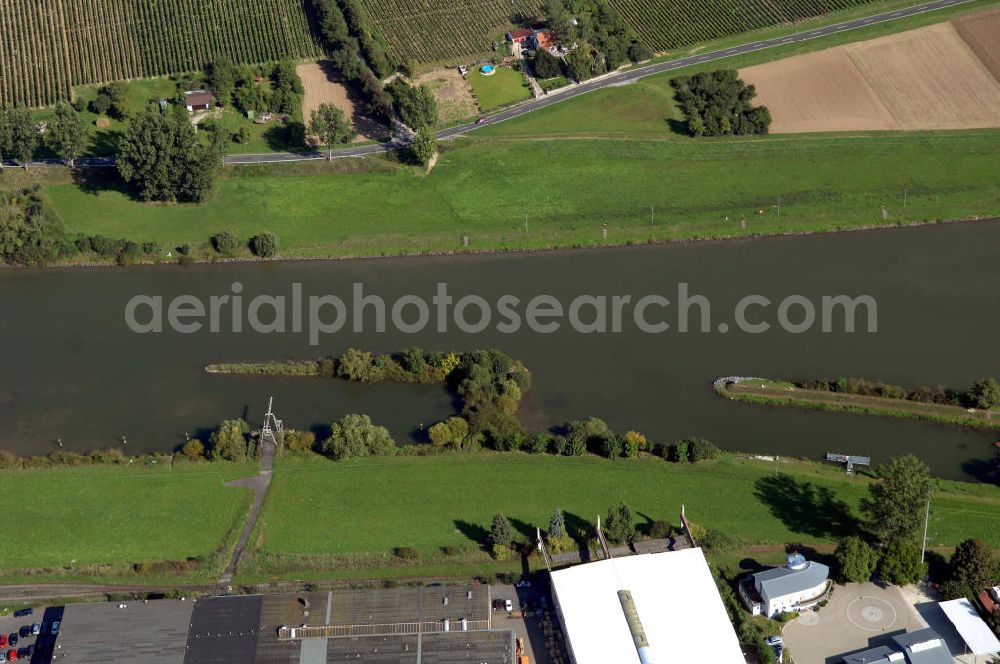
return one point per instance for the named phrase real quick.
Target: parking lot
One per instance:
(17, 643)
(860, 616)
(537, 613)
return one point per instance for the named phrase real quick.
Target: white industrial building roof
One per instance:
(675, 596)
(970, 626)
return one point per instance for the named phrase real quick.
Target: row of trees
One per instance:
(20, 136)
(618, 528)
(984, 393)
(341, 39)
(718, 103)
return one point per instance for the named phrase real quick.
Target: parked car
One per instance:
(503, 605)
(779, 653)
(54, 629)
(11, 655)
(24, 631)
(20, 613)
(3, 640)
(773, 640)
(36, 629)
(22, 653)
(12, 639)
(3, 657)
(995, 592)
(524, 583)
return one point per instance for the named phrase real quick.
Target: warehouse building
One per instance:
(427, 625)
(660, 607)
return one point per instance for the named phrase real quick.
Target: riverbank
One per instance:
(782, 393)
(715, 189)
(322, 518)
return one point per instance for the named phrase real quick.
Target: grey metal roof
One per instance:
(903, 645)
(782, 581)
(879, 655)
(938, 654)
(138, 633)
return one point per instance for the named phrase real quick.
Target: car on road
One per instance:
(481, 121)
(20, 613)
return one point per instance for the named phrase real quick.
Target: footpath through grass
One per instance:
(697, 189)
(97, 521)
(320, 508)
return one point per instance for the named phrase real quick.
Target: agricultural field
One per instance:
(667, 24)
(49, 46)
(930, 78)
(442, 30)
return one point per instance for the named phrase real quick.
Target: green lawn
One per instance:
(570, 190)
(319, 507)
(91, 516)
(503, 88)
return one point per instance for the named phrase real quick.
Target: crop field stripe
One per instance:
(48, 46)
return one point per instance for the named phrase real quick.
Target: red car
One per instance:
(11, 655)
(3, 640)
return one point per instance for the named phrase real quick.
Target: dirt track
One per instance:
(943, 76)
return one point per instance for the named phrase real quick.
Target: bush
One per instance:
(406, 553)
(618, 527)
(660, 529)
(901, 563)
(537, 443)
(193, 449)
(264, 245)
(451, 550)
(300, 441)
(101, 104)
(226, 243)
(857, 560)
(355, 436)
(700, 449)
(103, 246)
(717, 541)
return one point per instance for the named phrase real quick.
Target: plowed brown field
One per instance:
(943, 76)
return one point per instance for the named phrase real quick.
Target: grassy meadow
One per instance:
(570, 188)
(97, 520)
(317, 507)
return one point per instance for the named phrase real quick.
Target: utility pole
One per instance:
(650, 215)
(923, 542)
(904, 197)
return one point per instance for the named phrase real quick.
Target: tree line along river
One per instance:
(73, 369)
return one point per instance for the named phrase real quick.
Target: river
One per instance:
(72, 369)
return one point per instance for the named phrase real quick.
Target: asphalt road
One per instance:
(573, 91)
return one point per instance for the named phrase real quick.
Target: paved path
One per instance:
(608, 80)
(259, 485)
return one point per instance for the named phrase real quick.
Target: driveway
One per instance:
(858, 616)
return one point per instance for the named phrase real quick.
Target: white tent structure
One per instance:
(976, 633)
(658, 608)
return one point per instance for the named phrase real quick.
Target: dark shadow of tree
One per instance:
(806, 508)
(94, 180)
(524, 529)
(475, 532)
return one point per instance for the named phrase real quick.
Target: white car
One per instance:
(995, 592)
(773, 640)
